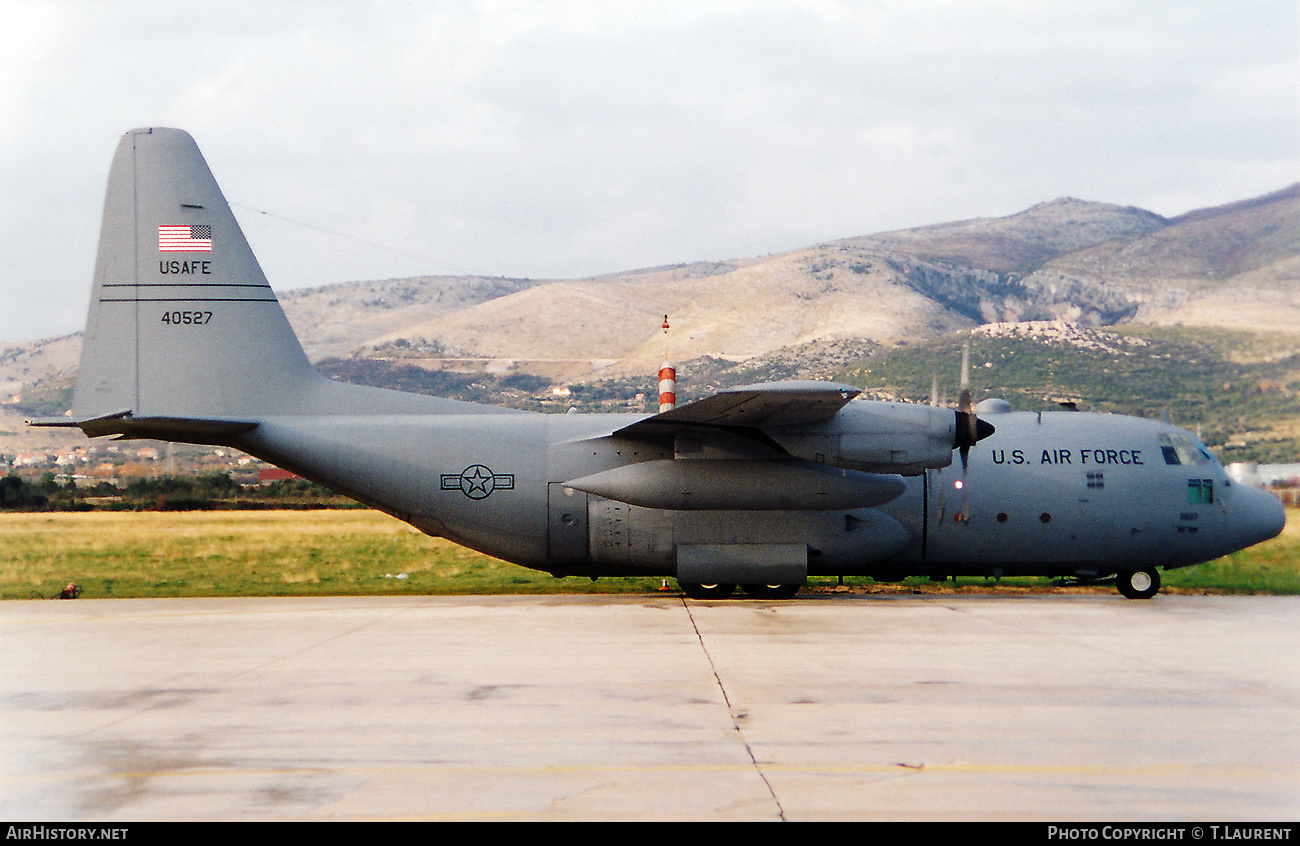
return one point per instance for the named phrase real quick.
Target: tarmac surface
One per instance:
(840, 707)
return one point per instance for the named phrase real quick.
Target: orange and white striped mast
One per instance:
(667, 378)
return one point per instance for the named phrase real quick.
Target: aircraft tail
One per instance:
(182, 322)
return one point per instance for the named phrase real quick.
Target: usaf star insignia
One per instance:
(478, 481)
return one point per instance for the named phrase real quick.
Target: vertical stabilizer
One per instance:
(182, 321)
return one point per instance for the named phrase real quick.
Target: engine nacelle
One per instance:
(877, 437)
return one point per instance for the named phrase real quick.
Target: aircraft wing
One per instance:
(768, 405)
(812, 421)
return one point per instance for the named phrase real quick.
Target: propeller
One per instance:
(970, 429)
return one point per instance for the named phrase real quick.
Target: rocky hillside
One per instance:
(335, 320)
(1233, 266)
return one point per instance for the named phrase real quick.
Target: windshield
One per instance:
(1183, 450)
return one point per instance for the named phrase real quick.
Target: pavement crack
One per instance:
(735, 718)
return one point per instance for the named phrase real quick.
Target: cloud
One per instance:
(573, 138)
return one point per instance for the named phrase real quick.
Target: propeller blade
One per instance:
(964, 405)
(963, 401)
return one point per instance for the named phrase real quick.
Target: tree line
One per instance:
(210, 491)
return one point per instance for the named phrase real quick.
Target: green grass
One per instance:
(353, 552)
(264, 553)
(1270, 567)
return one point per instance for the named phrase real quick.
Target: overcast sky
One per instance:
(565, 138)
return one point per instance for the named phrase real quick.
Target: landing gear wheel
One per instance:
(706, 591)
(1140, 584)
(771, 591)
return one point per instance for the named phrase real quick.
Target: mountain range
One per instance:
(1089, 263)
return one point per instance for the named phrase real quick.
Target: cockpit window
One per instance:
(1178, 450)
(1167, 448)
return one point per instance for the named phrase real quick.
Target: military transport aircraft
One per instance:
(760, 486)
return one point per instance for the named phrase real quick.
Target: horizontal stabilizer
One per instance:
(126, 425)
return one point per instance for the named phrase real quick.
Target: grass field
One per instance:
(357, 552)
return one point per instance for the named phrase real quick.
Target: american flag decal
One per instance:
(184, 238)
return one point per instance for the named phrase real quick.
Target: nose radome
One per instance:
(1260, 515)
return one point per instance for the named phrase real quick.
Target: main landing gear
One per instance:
(1134, 584)
(771, 591)
(1138, 584)
(706, 591)
(695, 591)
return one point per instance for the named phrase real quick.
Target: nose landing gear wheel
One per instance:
(1139, 584)
(706, 591)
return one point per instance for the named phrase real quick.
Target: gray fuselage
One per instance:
(1062, 493)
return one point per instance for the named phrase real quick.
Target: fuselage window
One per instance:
(1200, 491)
